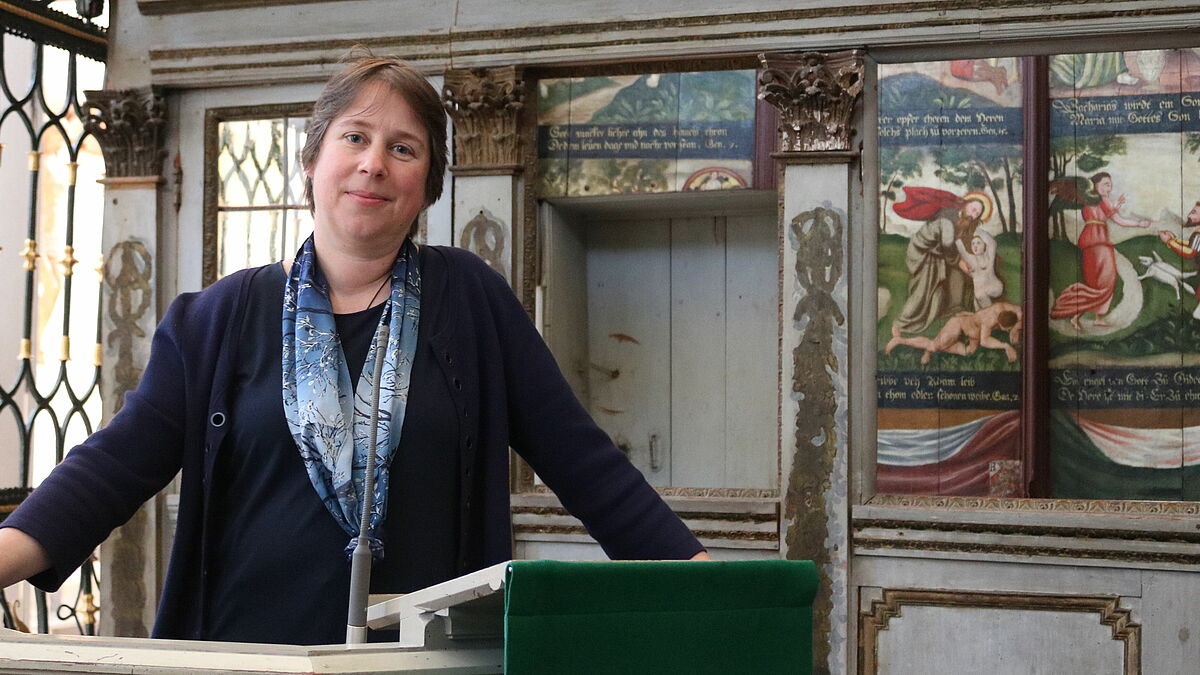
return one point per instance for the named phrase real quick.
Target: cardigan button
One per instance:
(217, 419)
(470, 442)
(449, 358)
(458, 384)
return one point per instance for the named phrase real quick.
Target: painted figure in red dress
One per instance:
(1189, 248)
(1098, 257)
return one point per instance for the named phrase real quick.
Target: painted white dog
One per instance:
(1160, 271)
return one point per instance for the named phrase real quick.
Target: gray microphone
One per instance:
(360, 560)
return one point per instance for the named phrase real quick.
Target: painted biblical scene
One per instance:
(646, 133)
(949, 278)
(1124, 234)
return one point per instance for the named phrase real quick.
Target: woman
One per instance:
(268, 419)
(1098, 256)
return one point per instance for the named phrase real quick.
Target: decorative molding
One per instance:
(157, 7)
(131, 182)
(701, 533)
(1008, 529)
(967, 29)
(130, 125)
(864, 544)
(1110, 507)
(127, 272)
(485, 104)
(878, 616)
(739, 517)
(704, 493)
(816, 94)
(826, 157)
(487, 170)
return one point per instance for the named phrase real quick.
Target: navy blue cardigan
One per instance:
(506, 387)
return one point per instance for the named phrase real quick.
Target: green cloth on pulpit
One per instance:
(659, 617)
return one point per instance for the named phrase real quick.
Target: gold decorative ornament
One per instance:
(129, 124)
(29, 254)
(485, 104)
(26, 349)
(1, 153)
(98, 355)
(69, 260)
(72, 172)
(90, 609)
(815, 93)
(65, 349)
(34, 160)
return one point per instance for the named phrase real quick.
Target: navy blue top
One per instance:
(265, 509)
(506, 389)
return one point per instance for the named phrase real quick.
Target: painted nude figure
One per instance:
(977, 327)
(980, 263)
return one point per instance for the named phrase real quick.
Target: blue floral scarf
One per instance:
(329, 418)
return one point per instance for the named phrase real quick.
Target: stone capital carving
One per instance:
(815, 93)
(130, 125)
(485, 104)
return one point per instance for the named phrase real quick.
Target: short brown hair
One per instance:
(1007, 319)
(341, 90)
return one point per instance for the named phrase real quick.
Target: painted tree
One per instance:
(899, 165)
(992, 167)
(1089, 154)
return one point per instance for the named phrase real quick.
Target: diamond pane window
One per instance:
(261, 215)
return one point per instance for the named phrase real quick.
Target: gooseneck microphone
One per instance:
(360, 561)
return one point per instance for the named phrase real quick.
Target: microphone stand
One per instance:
(360, 561)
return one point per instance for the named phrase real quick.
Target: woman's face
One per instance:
(1104, 187)
(369, 176)
(977, 246)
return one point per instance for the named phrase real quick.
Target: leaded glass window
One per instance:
(261, 215)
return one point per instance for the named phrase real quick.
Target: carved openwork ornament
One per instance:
(485, 104)
(815, 93)
(130, 126)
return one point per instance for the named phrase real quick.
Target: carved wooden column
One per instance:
(485, 105)
(129, 125)
(816, 94)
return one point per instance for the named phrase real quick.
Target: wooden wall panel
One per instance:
(629, 337)
(751, 352)
(698, 401)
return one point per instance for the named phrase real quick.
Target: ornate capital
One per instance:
(484, 104)
(815, 93)
(130, 126)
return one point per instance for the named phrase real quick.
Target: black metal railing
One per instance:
(53, 44)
